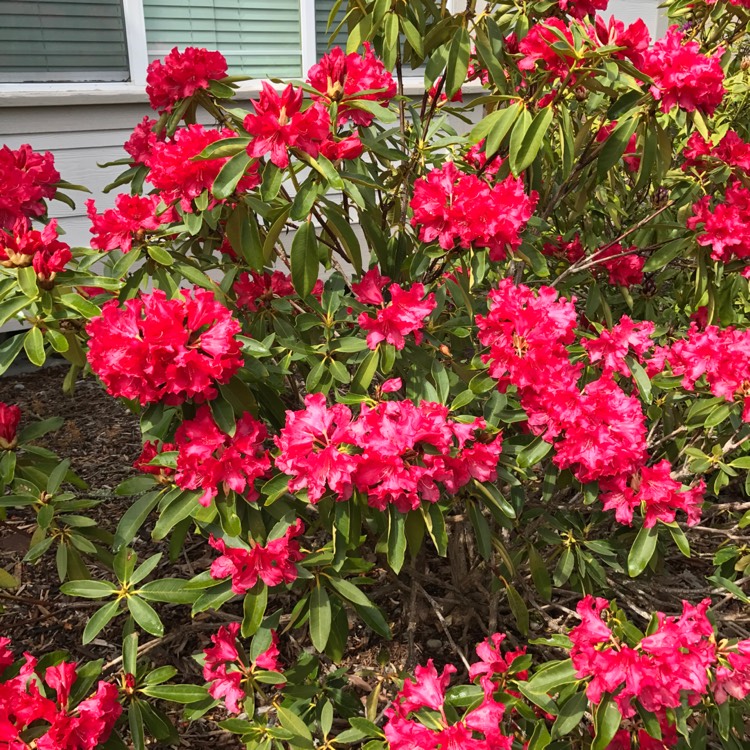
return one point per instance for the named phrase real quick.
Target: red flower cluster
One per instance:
(208, 458)
(634, 40)
(272, 564)
(344, 79)
(395, 453)
(537, 47)
(280, 124)
(702, 154)
(624, 269)
(159, 349)
(24, 246)
(27, 178)
(598, 431)
(142, 141)
(726, 225)
(180, 177)
(151, 450)
(683, 76)
(657, 495)
(720, 355)
(10, 416)
(611, 347)
(581, 8)
(453, 208)
(256, 290)
(181, 75)
(667, 668)
(56, 724)
(476, 157)
(404, 314)
(225, 670)
(128, 221)
(571, 250)
(478, 729)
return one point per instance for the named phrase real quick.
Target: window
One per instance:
(323, 33)
(261, 38)
(63, 40)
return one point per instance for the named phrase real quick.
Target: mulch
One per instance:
(438, 609)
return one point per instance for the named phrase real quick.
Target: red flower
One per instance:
(255, 291)
(582, 8)
(142, 141)
(313, 449)
(159, 349)
(624, 269)
(656, 493)
(726, 226)
(181, 75)
(30, 247)
(453, 207)
(343, 79)
(537, 47)
(682, 75)
(10, 416)
(27, 178)
(634, 40)
(570, 250)
(176, 172)
(731, 149)
(151, 450)
(279, 124)
(493, 661)
(118, 227)
(733, 680)
(209, 459)
(369, 291)
(611, 347)
(346, 148)
(272, 564)
(404, 314)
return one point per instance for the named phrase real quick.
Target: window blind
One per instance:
(322, 32)
(261, 38)
(62, 40)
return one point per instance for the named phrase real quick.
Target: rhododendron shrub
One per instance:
(483, 347)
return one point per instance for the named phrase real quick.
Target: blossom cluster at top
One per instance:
(230, 677)
(55, 724)
(597, 429)
(159, 349)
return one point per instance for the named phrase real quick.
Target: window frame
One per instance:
(132, 91)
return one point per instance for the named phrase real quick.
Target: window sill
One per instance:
(81, 94)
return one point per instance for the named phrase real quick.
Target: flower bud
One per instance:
(10, 416)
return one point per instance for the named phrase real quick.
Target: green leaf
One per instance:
(615, 145)
(301, 737)
(374, 108)
(540, 738)
(223, 148)
(9, 308)
(665, 255)
(135, 724)
(230, 175)
(642, 551)
(540, 574)
(33, 343)
(553, 676)
(320, 617)
(9, 350)
(532, 141)
(80, 305)
(145, 615)
(641, 379)
(372, 616)
(160, 255)
(518, 608)
(254, 609)
(305, 259)
(533, 453)
(244, 236)
(89, 589)
(133, 518)
(570, 715)
(135, 485)
(607, 720)
(517, 138)
(99, 620)
(482, 531)
(365, 372)
(176, 693)
(501, 125)
(458, 62)
(171, 590)
(27, 282)
(396, 539)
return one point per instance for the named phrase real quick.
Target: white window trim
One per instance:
(132, 91)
